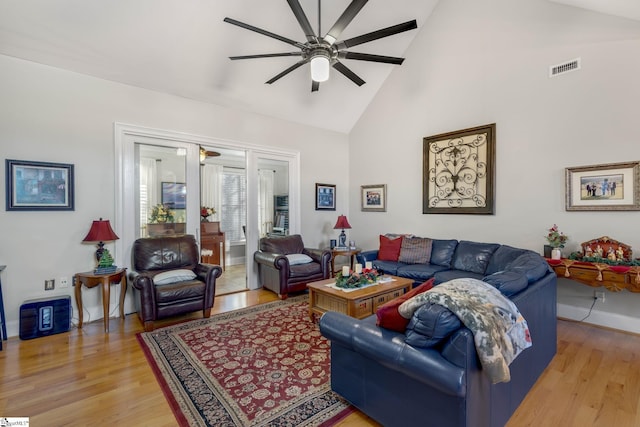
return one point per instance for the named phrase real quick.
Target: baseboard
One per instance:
(600, 318)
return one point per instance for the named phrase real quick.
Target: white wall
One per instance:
(51, 115)
(480, 62)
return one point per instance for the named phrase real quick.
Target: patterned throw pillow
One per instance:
(415, 251)
(389, 248)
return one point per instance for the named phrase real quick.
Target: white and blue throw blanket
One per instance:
(500, 332)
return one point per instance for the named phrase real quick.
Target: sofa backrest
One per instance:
(151, 254)
(442, 252)
(282, 245)
(473, 256)
(502, 257)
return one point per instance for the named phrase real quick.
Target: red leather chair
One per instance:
(168, 278)
(283, 267)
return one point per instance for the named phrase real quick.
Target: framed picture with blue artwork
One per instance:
(39, 186)
(325, 197)
(174, 195)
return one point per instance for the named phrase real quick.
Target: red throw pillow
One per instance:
(388, 316)
(389, 248)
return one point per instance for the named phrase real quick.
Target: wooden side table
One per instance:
(351, 253)
(90, 280)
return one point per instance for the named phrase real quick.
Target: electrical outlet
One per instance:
(49, 285)
(64, 282)
(598, 295)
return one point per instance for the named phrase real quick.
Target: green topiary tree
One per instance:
(106, 260)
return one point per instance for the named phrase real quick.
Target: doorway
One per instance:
(223, 191)
(129, 138)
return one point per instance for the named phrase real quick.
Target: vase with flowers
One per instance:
(205, 213)
(161, 214)
(557, 239)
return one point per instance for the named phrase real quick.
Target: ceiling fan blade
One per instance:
(369, 57)
(315, 86)
(347, 16)
(287, 71)
(302, 20)
(348, 73)
(264, 32)
(375, 35)
(266, 55)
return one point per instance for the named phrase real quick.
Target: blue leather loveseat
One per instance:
(431, 375)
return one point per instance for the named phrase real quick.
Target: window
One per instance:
(234, 207)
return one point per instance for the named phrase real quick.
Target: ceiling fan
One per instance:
(323, 52)
(204, 154)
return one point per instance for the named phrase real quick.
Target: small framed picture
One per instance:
(39, 186)
(325, 197)
(374, 198)
(607, 187)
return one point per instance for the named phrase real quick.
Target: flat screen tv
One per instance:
(174, 195)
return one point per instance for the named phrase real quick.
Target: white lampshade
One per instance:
(320, 68)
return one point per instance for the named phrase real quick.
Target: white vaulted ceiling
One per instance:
(182, 48)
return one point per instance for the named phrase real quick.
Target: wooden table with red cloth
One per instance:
(614, 278)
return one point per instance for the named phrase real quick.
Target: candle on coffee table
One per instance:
(369, 265)
(358, 268)
(345, 270)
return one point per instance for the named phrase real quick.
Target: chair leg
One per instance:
(206, 312)
(283, 296)
(148, 326)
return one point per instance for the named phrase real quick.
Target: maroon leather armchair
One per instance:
(283, 267)
(168, 278)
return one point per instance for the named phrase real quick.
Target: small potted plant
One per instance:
(557, 239)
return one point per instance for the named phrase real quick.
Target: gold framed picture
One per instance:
(606, 187)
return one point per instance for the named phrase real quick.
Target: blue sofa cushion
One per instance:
(472, 256)
(387, 267)
(431, 324)
(502, 257)
(442, 252)
(531, 264)
(507, 282)
(418, 272)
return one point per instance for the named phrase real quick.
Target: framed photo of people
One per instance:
(606, 187)
(373, 198)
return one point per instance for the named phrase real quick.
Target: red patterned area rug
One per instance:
(266, 365)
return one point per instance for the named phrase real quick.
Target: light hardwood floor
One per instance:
(85, 377)
(233, 279)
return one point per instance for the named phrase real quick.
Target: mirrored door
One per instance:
(161, 190)
(223, 196)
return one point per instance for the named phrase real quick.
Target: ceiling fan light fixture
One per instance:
(320, 65)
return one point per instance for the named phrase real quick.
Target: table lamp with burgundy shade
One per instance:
(343, 224)
(100, 232)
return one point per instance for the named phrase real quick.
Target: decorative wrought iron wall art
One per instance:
(459, 171)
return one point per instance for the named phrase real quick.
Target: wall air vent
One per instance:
(565, 67)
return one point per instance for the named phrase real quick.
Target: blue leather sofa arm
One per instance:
(365, 256)
(389, 349)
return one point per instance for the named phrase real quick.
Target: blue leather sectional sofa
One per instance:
(431, 375)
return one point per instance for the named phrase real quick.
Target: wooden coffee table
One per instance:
(360, 303)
